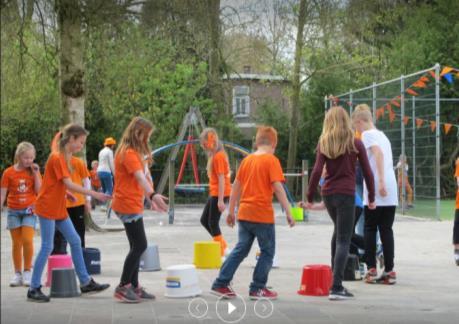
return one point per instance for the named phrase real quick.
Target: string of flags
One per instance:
(447, 73)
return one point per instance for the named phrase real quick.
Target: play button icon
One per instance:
(231, 310)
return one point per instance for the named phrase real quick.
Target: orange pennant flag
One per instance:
(424, 79)
(395, 103)
(411, 92)
(405, 120)
(391, 116)
(432, 74)
(447, 128)
(419, 84)
(433, 125)
(445, 70)
(419, 122)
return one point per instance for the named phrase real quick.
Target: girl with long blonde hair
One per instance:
(21, 182)
(338, 150)
(50, 207)
(218, 171)
(132, 187)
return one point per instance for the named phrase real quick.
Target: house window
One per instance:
(241, 101)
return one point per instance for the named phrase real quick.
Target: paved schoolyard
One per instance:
(427, 290)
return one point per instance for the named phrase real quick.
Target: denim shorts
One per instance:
(21, 217)
(128, 218)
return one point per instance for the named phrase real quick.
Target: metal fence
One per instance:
(408, 110)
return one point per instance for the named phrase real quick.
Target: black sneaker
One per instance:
(35, 295)
(93, 287)
(339, 294)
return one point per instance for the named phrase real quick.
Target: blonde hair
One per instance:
(63, 137)
(337, 136)
(362, 112)
(93, 163)
(266, 135)
(135, 136)
(21, 149)
(210, 142)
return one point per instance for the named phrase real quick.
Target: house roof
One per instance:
(254, 76)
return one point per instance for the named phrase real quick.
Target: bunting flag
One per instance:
(395, 103)
(391, 116)
(419, 84)
(433, 125)
(446, 70)
(447, 128)
(432, 74)
(448, 77)
(405, 120)
(419, 122)
(424, 79)
(412, 92)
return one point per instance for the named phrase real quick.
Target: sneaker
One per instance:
(35, 295)
(17, 280)
(387, 278)
(27, 277)
(225, 292)
(263, 293)
(126, 294)
(339, 294)
(93, 287)
(371, 276)
(142, 294)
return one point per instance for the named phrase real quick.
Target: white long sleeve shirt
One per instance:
(106, 163)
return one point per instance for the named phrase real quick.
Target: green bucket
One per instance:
(297, 213)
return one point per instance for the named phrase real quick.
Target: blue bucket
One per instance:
(92, 260)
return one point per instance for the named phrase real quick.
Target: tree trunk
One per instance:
(295, 98)
(71, 69)
(215, 60)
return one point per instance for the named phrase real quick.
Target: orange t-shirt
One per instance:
(220, 165)
(128, 195)
(79, 172)
(20, 186)
(256, 175)
(95, 181)
(51, 198)
(456, 175)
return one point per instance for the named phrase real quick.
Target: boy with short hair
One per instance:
(259, 176)
(379, 152)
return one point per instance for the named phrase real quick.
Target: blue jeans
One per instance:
(248, 231)
(106, 180)
(65, 226)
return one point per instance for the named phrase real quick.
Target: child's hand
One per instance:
(70, 196)
(158, 203)
(372, 205)
(318, 206)
(290, 220)
(230, 220)
(221, 206)
(305, 205)
(101, 196)
(35, 168)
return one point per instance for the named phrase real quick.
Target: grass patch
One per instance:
(426, 209)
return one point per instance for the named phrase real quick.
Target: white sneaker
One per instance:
(17, 280)
(27, 277)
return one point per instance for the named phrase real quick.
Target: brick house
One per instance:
(246, 92)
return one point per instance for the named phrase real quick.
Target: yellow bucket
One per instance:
(207, 255)
(297, 213)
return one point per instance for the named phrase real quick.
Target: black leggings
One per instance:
(135, 232)
(456, 228)
(382, 219)
(210, 217)
(76, 214)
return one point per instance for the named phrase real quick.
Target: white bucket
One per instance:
(149, 261)
(182, 281)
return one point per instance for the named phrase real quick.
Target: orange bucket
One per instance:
(316, 280)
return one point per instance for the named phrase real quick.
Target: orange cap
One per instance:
(109, 141)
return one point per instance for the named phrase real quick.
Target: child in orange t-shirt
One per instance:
(21, 182)
(50, 207)
(259, 176)
(131, 188)
(76, 209)
(456, 217)
(95, 181)
(219, 185)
